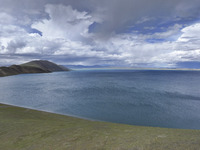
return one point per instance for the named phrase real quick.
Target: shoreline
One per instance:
(23, 128)
(89, 119)
(139, 69)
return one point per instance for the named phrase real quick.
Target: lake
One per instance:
(138, 97)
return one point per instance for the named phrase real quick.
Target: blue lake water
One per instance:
(148, 98)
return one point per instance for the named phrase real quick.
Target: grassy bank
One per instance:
(25, 129)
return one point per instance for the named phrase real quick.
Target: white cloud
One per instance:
(121, 49)
(65, 36)
(190, 33)
(64, 22)
(133, 49)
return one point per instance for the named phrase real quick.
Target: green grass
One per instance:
(25, 129)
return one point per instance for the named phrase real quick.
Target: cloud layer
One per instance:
(136, 33)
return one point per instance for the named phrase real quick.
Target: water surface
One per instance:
(138, 97)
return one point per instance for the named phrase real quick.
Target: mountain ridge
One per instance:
(36, 66)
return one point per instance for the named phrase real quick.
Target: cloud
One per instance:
(120, 15)
(135, 49)
(64, 22)
(6, 18)
(116, 15)
(13, 46)
(103, 32)
(171, 33)
(120, 50)
(190, 33)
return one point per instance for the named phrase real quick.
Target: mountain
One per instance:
(38, 66)
(45, 65)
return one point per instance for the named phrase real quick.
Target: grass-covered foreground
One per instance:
(25, 129)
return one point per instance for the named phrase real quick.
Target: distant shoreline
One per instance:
(162, 69)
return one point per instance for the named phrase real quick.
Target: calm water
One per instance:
(150, 98)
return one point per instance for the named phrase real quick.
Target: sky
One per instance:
(121, 33)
